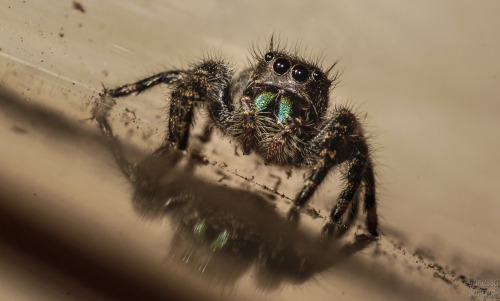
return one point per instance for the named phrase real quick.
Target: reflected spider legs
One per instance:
(278, 109)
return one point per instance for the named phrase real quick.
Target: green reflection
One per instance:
(220, 241)
(199, 229)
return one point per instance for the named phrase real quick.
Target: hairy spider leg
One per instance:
(353, 176)
(248, 125)
(339, 135)
(181, 110)
(330, 156)
(101, 112)
(370, 200)
(209, 83)
(168, 77)
(282, 140)
(351, 215)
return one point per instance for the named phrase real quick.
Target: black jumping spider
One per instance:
(278, 109)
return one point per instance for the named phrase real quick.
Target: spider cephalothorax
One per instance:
(282, 107)
(278, 109)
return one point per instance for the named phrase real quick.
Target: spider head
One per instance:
(288, 87)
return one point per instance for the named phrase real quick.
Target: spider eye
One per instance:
(316, 75)
(281, 66)
(269, 56)
(300, 73)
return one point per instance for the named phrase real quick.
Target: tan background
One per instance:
(426, 74)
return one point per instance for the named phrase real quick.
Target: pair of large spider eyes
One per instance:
(299, 72)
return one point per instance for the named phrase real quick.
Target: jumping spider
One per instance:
(278, 109)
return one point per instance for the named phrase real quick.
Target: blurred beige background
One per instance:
(424, 77)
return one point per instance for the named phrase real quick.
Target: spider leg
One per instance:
(370, 200)
(353, 177)
(168, 77)
(209, 82)
(106, 103)
(283, 142)
(331, 154)
(248, 125)
(341, 140)
(351, 216)
(245, 131)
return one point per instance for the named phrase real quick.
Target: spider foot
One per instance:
(104, 91)
(333, 230)
(374, 234)
(102, 107)
(367, 237)
(293, 215)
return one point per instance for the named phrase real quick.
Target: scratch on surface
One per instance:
(119, 47)
(49, 72)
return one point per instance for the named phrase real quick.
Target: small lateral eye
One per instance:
(269, 56)
(281, 66)
(316, 75)
(300, 73)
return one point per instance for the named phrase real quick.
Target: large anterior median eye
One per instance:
(281, 66)
(263, 100)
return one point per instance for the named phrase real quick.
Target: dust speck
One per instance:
(78, 6)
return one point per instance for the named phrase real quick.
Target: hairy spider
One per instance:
(278, 109)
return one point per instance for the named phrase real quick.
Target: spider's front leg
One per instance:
(167, 77)
(342, 141)
(104, 105)
(208, 82)
(222, 108)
